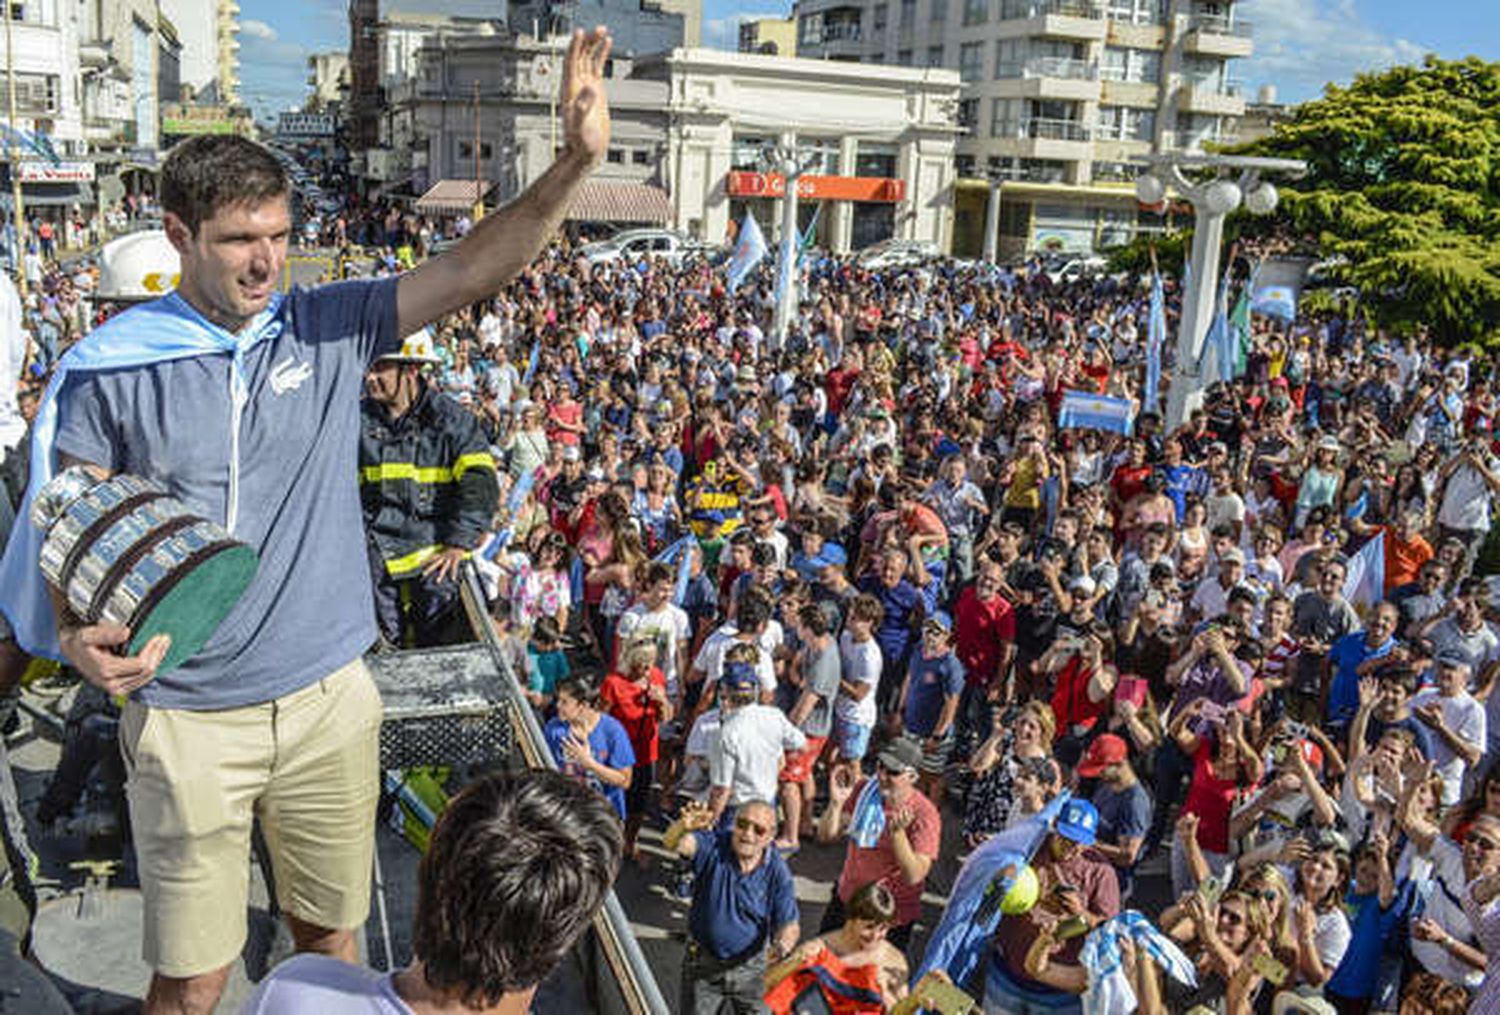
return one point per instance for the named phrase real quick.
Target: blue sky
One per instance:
(1300, 44)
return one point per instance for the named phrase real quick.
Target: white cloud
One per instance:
(258, 29)
(1301, 45)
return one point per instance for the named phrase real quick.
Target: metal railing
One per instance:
(1045, 129)
(841, 31)
(1218, 24)
(1060, 67)
(1013, 9)
(621, 952)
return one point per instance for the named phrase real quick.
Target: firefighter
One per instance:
(428, 485)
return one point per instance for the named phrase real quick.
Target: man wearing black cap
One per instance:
(897, 848)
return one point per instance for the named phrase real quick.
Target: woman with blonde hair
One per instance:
(997, 763)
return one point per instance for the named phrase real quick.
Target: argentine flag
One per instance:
(1082, 410)
(1364, 583)
(1278, 301)
(749, 248)
(1156, 338)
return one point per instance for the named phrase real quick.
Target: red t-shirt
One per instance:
(837, 385)
(1211, 798)
(980, 630)
(1071, 703)
(570, 414)
(1403, 560)
(1127, 482)
(629, 702)
(862, 866)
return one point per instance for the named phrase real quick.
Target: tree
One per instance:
(1403, 191)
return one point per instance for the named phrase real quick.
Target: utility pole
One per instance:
(792, 172)
(13, 154)
(478, 184)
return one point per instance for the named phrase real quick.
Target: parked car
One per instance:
(634, 244)
(1075, 268)
(897, 254)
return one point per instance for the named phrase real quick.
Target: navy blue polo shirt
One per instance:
(733, 913)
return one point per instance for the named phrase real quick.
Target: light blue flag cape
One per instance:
(749, 248)
(958, 944)
(867, 823)
(680, 553)
(1364, 584)
(156, 332)
(1156, 338)
(1109, 992)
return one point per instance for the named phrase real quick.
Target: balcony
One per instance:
(1054, 140)
(1227, 99)
(1214, 35)
(1077, 20)
(1052, 77)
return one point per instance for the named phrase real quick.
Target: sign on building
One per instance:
(306, 125)
(62, 172)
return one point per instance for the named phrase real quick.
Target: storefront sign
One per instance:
(819, 188)
(63, 172)
(305, 125)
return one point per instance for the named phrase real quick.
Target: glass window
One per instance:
(968, 113)
(976, 12)
(971, 61)
(903, 57)
(1010, 57)
(908, 13)
(1005, 118)
(746, 151)
(934, 56)
(963, 165)
(875, 159)
(882, 15)
(939, 10)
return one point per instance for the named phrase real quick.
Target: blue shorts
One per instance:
(853, 738)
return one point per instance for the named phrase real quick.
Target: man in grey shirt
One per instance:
(255, 428)
(821, 669)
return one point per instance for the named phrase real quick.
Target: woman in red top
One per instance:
(1085, 683)
(1223, 763)
(638, 699)
(855, 968)
(565, 418)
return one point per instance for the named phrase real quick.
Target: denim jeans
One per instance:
(712, 987)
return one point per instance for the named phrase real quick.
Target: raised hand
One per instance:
(583, 106)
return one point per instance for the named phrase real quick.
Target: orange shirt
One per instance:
(1403, 560)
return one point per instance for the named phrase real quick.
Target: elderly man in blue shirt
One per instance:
(743, 901)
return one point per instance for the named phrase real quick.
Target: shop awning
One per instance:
(452, 197)
(53, 195)
(605, 201)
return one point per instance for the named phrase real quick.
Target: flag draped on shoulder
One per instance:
(749, 248)
(1364, 583)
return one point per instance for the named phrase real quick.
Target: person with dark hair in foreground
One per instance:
(517, 868)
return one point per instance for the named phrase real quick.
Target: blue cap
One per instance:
(740, 677)
(1078, 821)
(939, 619)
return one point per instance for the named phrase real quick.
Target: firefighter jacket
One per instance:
(426, 480)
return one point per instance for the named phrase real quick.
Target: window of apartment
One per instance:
(1115, 172)
(934, 56)
(903, 57)
(1043, 171)
(35, 93)
(875, 159)
(963, 165)
(640, 157)
(466, 150)
(882, 15)
(976, 12)
(939, 10)
(1010, 57)
(968, 113)
(745, 152)
(822, 152)
(615, 156)
(998, 165)
(1125, 123)
(1136, 65)
(1203, 72)
(1138, 12)
(1005, 118)
(810, 30)
(908, 13)
(971, 61)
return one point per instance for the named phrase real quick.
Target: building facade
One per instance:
(768, 36)
(878, 148)
(45, 62)
(1057, 97)
(638, 27)
(328, 78)
(210, 62)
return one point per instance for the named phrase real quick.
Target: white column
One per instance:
(1186, 393)
(992, 223)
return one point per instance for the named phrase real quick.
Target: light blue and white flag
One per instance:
(681, 554)
(1156, 338)
(958, 944)
(1219, 342)
(1083, 410)
(1109, 991)
(867, 823)
(786, 267)
(749, 248)
(1278, 285)
(1277, 301)
(1364, 582)
(531, 363)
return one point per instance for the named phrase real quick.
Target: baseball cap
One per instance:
(740, 677)
(939, 619)
(595, 474)
(1452, 658)
(1079, 821)
(1232, 555)
(901, 755)
(1106, 750)
(572, 454)
(1083, 583)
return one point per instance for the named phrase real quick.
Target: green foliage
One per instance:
(1403, 181)
(1135, 256)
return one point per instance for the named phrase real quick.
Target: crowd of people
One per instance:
(1221, 689)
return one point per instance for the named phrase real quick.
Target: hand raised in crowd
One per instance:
(840, 784)
(696, 816)
(584, 107)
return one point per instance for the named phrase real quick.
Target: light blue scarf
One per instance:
(156, 332)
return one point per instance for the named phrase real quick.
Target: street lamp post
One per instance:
(13, 155)
(1229, 182)
(792, 171)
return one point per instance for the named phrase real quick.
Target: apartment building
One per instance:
(1057, 97)
(768, 36)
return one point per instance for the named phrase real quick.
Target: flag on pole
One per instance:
(1156, 338)
(1364, 582)
(809, 234)
(749, 248)
(1239, 326)
(531, 364)
(1085, 410)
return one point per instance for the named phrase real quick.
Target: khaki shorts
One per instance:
(306, 764)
